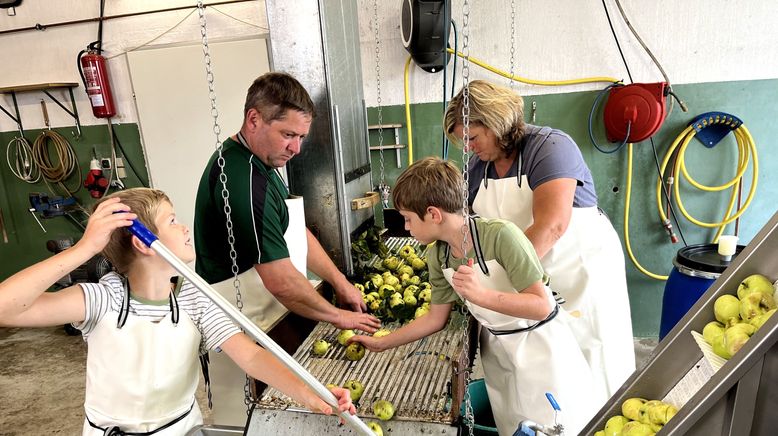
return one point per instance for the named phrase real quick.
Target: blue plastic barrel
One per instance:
(483, 420)
(696, 267)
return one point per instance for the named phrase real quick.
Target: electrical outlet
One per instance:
(119, 162)
(105, 163)
(120, 172)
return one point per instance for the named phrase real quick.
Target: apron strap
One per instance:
(519, 162)
(124, 312)
(205, 360)
(116, 431)
(479, 253)
(551, 316)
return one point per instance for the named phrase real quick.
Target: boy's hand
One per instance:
(371, 343)
(355, 320)
(103, 222)
(465, 281)
(344, 403)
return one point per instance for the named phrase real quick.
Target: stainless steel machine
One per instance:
(317, 41)
(740, 398)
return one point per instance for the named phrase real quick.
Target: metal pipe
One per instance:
(110, 17)
(151, 240)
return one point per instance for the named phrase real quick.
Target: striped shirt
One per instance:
(105, 299)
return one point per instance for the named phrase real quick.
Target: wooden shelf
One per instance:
(384, 126)
(387, 147)
(37, 87)
(44, 88)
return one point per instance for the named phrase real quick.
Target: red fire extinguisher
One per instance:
(95, 76)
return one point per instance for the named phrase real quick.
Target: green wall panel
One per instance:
(26, 241)
(752, 101)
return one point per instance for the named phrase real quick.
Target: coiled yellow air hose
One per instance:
(746, 147)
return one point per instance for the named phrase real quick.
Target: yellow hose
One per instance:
(626, 220)
(746, 148)
(505, 74)
(408, 112)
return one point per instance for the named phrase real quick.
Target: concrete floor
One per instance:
(42, 381)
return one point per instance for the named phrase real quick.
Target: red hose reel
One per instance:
(637, 110)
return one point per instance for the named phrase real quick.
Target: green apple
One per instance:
(356, 388)
(420, 311)
(635, 428)
(631, 408)
(643, 412)
(712, 330)
(425, 295)
(736, 336)
(320, 347)
(359, 287)
(344, 335)
(409, 300)
(719, 348)
(383, 409)
(376, 428)
(407, 251)
(726, 307)
(614, 425)
(391, 263)
(355, 351)
(755, 304)
(391, 281)
(755, 283)
(759, 320)
(381, 333)
(385, 289)
(405, 269)
(418, 263)
(599, 433)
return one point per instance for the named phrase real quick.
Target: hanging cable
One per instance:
(616, 38)
(383, 188)
(513, 43)
(406, 73)
(24, 166)
(666, 194)
(446, 20)
(66, 160)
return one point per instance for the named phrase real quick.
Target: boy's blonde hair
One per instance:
(495, 107)
(429, 182)
(145, 203)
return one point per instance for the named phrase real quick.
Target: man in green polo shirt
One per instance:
(271, 265)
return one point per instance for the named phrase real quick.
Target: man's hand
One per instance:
(371, 343)
(354, 320)
(349, 297)
(465, 281)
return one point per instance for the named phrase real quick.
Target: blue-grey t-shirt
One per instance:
(546, 154)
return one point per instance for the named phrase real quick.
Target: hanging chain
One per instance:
(223, 179)
(511, 82)
(383, 188)
(465, 192)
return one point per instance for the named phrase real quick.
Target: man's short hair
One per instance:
(143, 202)
(272, 94)
(429, 182)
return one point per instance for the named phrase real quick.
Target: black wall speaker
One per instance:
(424, 29)
(5, 4)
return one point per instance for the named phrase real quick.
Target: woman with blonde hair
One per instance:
(536, 178)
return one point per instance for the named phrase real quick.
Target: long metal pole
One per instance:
(151, 240)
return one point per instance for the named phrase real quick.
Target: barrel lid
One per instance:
(704, 257)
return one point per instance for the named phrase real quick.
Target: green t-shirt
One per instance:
(258, 212)
(501, 241)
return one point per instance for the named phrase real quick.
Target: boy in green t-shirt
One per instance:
(527, 346)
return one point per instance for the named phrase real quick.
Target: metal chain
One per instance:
(465, 189)
(383, 188)
(511, 82)
(222, 178)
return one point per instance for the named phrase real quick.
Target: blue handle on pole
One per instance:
(552, 401)
(142, 233)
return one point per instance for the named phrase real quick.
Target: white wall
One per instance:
(33, 57)
(695, 40)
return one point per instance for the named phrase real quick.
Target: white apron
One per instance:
(520, 368)
(264, 310)
(142, 376)
(586, 266)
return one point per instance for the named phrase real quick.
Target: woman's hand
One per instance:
(110, 215)
(465, 281)
(344, 402)
(371, 343)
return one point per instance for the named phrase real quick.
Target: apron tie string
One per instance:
(116, 431)
(551, 316)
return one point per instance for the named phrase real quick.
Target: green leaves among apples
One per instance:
(344, 335)
(755, 283)
(726, 307)
(355, 351)
(614, 425)
(356, 388)
(320, 347)
(383, 409)
(376, 428)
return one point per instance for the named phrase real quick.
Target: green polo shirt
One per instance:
(501, 241)
(258, 212)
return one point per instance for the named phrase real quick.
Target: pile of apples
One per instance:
(737, 318)
(640, 417)
(396, 289)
